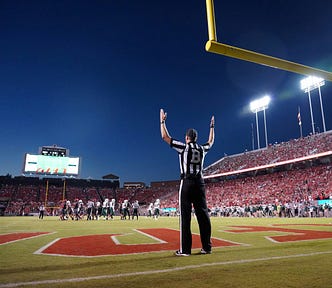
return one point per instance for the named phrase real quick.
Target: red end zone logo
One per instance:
(164, 239)
(292, 234)
(109, 244)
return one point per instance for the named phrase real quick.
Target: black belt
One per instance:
(191, 176)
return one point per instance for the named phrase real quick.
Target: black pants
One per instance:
(192, 192)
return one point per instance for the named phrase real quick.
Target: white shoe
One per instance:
(179, 253)
(204, 252)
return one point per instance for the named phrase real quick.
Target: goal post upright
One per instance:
(64, 190)
(211, 20)
(46, 194)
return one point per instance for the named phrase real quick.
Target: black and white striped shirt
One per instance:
(191, 157)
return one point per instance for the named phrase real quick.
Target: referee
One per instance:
(192, 187)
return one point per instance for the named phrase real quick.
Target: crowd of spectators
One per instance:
(279, 152)
(295, 188)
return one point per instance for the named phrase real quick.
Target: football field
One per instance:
(248, 252)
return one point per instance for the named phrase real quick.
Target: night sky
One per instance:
(92, 76)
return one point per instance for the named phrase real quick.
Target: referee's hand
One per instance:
(212, 122)
(163, 115)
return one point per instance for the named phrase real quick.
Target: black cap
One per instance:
(192, 134)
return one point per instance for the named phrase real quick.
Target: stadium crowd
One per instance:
(278, 152)
(290, 191)
(284, 194)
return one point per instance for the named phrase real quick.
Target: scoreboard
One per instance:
(52, 160)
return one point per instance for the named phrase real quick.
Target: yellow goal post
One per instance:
(213, 46)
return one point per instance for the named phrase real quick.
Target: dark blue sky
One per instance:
(91, 76)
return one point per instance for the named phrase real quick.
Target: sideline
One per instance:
(81, 279)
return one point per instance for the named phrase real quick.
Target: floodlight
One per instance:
(310, 83)
(260, 104)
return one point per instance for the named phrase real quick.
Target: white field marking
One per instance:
(25, 238)
(115, 239)
(233, 228)
(285, 234)
(228, 241)
(40, 250)
(117, 242)
(292, 241)
(151, 272)
(104, 255)
(150, 236)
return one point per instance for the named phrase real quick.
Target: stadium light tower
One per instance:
(260, 105)
(308, 84)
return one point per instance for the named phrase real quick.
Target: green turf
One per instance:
(257, 263)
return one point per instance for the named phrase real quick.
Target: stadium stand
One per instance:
(293, 149)
(286, 188)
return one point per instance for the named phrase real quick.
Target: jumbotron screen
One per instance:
(52, 165)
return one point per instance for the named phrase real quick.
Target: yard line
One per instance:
(81, 279)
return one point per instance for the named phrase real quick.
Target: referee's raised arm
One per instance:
(163, 130)
(211, 134)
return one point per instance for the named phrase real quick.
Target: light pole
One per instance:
(257, 132)
(308, 84)
(265, 128)
(260, 105)
(321, 108)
